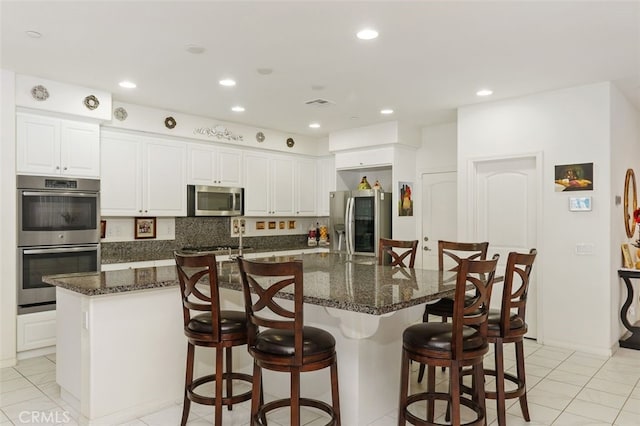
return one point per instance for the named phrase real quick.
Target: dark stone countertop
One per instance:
(352, 283)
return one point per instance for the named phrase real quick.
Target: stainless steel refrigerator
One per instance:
(358, 219)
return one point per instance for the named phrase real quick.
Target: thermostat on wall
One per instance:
(580, 204)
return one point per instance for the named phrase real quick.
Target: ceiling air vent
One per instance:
(319, 102)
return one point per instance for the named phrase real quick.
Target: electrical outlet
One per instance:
(236, 230)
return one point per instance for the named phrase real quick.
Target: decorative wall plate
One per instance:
(91, 102)
(39, 93)
(120, 113)
(170, 122)
(290, 142)
(260, 137)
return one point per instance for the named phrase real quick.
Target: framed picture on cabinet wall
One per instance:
(145, 227)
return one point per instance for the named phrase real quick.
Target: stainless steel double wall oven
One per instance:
(58, 232)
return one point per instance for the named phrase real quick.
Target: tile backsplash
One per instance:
(175, 233)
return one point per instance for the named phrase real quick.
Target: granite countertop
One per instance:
(352, 283)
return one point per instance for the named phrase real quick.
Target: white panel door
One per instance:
(229, 167)
(505, 196)
(306, 184)
(256, 185)
(439, 214)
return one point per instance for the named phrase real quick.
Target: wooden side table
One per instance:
(632, 339)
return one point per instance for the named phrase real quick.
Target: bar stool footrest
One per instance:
(441, 396)
(515, 393)
(228, 400)
(286, 402)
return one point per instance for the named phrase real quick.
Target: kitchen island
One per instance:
(121, 348)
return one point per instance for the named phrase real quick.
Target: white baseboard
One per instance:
(581, 348)
(32, 353)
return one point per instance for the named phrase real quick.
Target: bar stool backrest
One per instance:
(450, 253)
(264, 280)
(403, 249)
(194, 270)
(479, 275)
(516, 287)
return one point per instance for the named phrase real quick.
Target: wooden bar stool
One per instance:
(206, 325)
(283, 343)
(450, 253)
(456, 344)
(508, 325)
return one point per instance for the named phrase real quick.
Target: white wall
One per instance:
(625, 154)
(7, 220)
(439, 149)
(567, 126)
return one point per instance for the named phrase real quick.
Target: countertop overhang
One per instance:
(335, 280)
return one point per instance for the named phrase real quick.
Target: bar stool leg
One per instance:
(521, 375)
(335, 396)
(256, 395)
(404, 388)
(219, 380)
(454, 382)
(500, 388)
(186, 404)
(478, 384)
(295, 397)
(229, 369)
(431, 387)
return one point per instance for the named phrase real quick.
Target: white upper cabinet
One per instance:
(326, 184)
(54, 146)
(269, 182)
(211, 165)
(306, 187)
(142, 176)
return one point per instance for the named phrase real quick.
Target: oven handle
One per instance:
(60, 250)
(57, 194)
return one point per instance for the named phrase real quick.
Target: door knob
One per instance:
(426, 248)
(426, 238)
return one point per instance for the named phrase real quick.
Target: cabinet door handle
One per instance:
(57, 167)
(64, 168)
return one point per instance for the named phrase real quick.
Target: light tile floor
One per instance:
(564, 388)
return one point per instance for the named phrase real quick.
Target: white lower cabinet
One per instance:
(35, 331)
(142, 176)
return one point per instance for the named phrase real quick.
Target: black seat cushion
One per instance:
(230, 322)
(437, 336)
(515, 322)
(444, 306)
(280, 342)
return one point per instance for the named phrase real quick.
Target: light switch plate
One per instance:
(584, 249)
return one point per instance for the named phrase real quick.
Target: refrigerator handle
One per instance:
(348, 222)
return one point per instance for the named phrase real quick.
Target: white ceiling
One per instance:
(430, 58)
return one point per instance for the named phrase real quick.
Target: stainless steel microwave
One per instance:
(205, 200)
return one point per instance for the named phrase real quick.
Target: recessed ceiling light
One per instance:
(386, 111)
(314, 125)
(127, 84)
(237, 108)
(33, 34)
(264, 71)
(367, 34)
(484, 92)
(194, 48)
(227, 82)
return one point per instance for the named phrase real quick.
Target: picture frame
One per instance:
(627, 261)
(405, 200)
(573, 177)
(144, 228)
(103, 228)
